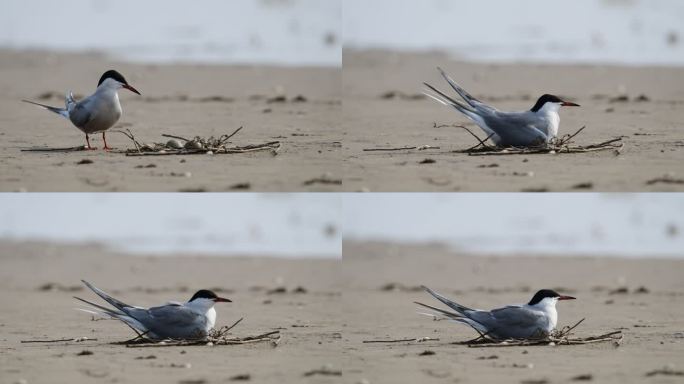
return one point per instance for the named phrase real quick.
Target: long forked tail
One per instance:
(60, 111)
(451, 304)
(473, 102)
(448, 101)
(116, 303)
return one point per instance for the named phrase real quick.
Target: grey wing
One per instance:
(519, 321)
(516, 128)
(80, 113)
(170, 320)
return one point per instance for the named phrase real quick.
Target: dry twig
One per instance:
(419, 340)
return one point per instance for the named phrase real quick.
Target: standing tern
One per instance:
(97, 112)
(535, 127)
(535, 319)
(191, 320)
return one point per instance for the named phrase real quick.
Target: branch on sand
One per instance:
(74, 339)
(411, 339)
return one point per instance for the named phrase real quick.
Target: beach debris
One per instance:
(240, 186)
(534, 381)
(584, 185)
(178, 145)
(665, 371)
(405, 148)
(404, 340)
(619, 99)
(665, 179)
(73, 339)
(642, 289)
(85, 352)
(323, 179)
(427, 161)
(241, 377)
(427, 352)
(583, 377)
(148, 357)
(326, 370)
(60, 287)
(390, 95)
(490, 357)
(401, 287)
(84, 161)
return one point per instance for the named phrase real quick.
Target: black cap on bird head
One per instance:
(547, 98)
(207, 294)
(114, 75)
(547, 293)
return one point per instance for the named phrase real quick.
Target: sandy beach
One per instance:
(38, 281)
(384, 108)
(383, 280)
(325, 329)
(299, 106)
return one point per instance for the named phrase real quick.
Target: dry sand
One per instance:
(654, 143)
(185, 100)
(309, 322)
(650, 321)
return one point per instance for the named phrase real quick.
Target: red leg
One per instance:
(105, 142)
(88, 142)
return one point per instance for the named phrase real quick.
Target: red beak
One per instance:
(222, 300)
(131, 89)
(569, 104)
(566, 298)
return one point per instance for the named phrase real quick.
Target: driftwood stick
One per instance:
(565, 332)
(175, 137)
(567, 138)
(234, 324)
(76, 339)
(232, 134)
(419, 339)
(387, 149)
(67, 149)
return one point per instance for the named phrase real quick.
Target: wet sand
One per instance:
(383, 280)
(308, 321)
(383, 108)
(179, 99)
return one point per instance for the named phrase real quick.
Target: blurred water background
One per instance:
(626, 32)
(280, 225)
(277, 32)
(624, 225)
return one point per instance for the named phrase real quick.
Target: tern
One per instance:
(535, 319)
(536, 127)
(191, 320)
(97, 112)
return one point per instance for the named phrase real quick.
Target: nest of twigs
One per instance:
(178, 145)
(564, 144)
(558, 337)
(219, 336)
